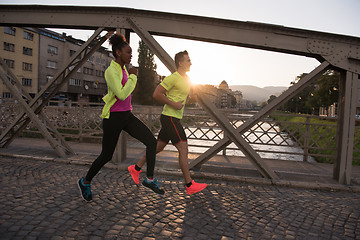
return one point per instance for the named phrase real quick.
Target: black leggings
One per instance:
(112, 128)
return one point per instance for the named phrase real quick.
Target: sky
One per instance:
(237, 65)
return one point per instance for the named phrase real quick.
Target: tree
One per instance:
(271, 98)
(328, 88)
(146, 76)
(299, 103)
(321, 94)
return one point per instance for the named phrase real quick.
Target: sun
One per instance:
(199, 74)
(209, 60)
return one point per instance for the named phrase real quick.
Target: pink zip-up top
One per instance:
(120, 85)
(122, 106)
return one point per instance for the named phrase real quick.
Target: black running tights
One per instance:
(112, 128)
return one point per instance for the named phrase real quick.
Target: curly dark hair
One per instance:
(118, 42)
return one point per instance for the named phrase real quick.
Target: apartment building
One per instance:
(37, 56)
(238, 96)
(20, 51)
(88, 83)
(228, 100)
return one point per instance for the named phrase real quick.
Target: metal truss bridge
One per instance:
(333, 51)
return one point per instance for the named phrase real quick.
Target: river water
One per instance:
(270, 142)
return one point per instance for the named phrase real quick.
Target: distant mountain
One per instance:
(260, 95)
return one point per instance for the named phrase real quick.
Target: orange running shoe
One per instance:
(134, 173)
(195, 187)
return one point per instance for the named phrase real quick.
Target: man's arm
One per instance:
(159, 95)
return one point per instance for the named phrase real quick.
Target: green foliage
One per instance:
(271, 98)
(321, 133)
(146, 76)
(323, 93)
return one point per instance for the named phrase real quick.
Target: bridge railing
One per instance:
(279, 136)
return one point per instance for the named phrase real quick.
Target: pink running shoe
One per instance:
(134, 174)
(195, 187)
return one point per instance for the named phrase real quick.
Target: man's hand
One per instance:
(133, 71)
(178, 105)
(159, 95)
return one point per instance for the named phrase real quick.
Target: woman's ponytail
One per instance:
(117, 42)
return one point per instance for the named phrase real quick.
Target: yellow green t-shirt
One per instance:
(177, 89)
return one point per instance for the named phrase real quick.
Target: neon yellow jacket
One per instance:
(113, 77)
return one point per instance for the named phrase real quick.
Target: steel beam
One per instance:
(153, 45)
(339, 50)
(345, 127)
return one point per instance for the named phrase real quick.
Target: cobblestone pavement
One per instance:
(40, 200)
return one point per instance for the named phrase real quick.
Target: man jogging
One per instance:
(173, 91)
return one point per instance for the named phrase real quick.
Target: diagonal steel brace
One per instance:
(285, 96)
(235, 136)
(40, 100)
(36, 119)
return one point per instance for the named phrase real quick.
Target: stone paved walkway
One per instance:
(40, 200)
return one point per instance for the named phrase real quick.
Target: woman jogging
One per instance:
(117, 116)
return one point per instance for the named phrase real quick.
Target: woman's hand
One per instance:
(133, 71)
(109, 34)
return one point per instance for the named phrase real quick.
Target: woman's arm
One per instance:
(114, 83)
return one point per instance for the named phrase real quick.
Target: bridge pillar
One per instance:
(345, 127)
(120, 153)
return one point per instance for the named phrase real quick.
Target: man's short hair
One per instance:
(179, 57)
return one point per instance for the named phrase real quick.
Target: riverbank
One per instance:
(322, 132)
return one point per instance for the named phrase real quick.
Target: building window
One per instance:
(27, 51)
(88, 71)
(49, 78)
(9, 63)
(9, 47)
(51, 64)
(7, 95)
(100, 61)
(52, 50)
(10, 30)
(26, 82)
(99, 73)
(27, 66)
(72, 52)
(74, 82)
(28, 35)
